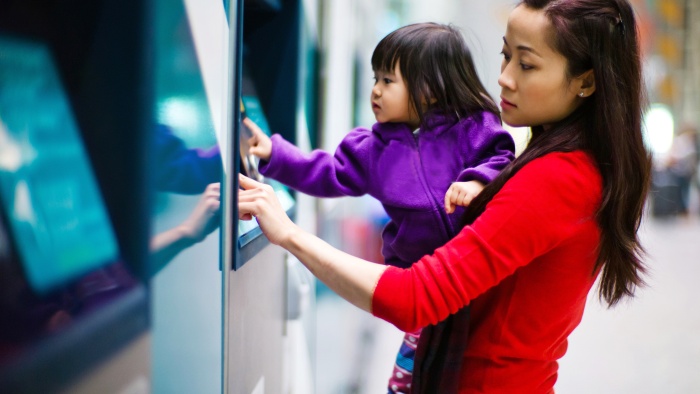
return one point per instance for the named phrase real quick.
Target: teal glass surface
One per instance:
(47, 187)
(186, 290)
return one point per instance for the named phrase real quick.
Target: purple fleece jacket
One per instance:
(409, 174)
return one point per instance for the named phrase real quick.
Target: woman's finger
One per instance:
(247, 183)
(246, 210)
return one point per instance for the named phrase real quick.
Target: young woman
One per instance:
(564, 213)
(437, 141)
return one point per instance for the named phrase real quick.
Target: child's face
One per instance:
(535, 89)
(390, 99)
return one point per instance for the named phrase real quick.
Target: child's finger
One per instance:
(459, 195)
(449, 208)
(257, 131)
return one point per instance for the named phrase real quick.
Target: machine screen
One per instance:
(48, 192)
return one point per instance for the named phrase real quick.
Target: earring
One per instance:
(580, 94)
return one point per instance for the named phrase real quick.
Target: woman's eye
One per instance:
(525, 67)
(506, 56)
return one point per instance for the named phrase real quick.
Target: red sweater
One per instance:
(525, 265)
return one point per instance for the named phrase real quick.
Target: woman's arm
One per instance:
(350, 277)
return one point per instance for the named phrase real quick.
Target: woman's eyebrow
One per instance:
(523, 48)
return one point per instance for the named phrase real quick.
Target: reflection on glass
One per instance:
(187, 167)
(59, 259)
(48, 188)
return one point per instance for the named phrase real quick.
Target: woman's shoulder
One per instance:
(577, 161)
(575, 173)
(559, 184)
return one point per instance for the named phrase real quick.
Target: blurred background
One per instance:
(153, 92)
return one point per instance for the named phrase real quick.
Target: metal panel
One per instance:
(257, 317)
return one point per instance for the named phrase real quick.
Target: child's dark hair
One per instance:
(600, 35)
(437, 67)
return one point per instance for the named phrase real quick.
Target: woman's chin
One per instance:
(513, 122)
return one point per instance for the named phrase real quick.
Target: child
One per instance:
(437, 141)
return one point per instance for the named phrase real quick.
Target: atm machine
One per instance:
(247, 60)
(76, 199)
(74, 111)
(264, 290)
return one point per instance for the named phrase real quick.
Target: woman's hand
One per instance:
(259, 200)
(351, 278)
(260, 143)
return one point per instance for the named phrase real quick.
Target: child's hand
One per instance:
(260, 143)
(461, 193)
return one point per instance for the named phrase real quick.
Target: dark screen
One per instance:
(59, 257)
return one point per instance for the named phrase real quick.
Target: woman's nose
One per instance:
(505, 80)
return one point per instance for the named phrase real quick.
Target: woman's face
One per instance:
(535, 89)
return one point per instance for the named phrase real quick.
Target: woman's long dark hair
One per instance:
(600, 35)
(436, 65)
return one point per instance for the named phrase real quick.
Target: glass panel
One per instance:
(63, 283)
(186, 282)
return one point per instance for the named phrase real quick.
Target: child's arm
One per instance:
(491, 150)
(494, 156)
(319, 173)
(461, 193)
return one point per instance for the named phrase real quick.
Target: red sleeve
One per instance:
(537, 209)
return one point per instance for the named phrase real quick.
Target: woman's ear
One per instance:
(585, 83)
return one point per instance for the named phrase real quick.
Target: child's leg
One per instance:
(401, 376)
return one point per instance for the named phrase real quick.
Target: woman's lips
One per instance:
(507, 104)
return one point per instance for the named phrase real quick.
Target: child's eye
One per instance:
(387, 80)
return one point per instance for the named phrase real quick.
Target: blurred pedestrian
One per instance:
(682, 164)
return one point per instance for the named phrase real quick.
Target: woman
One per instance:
(565, 212)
